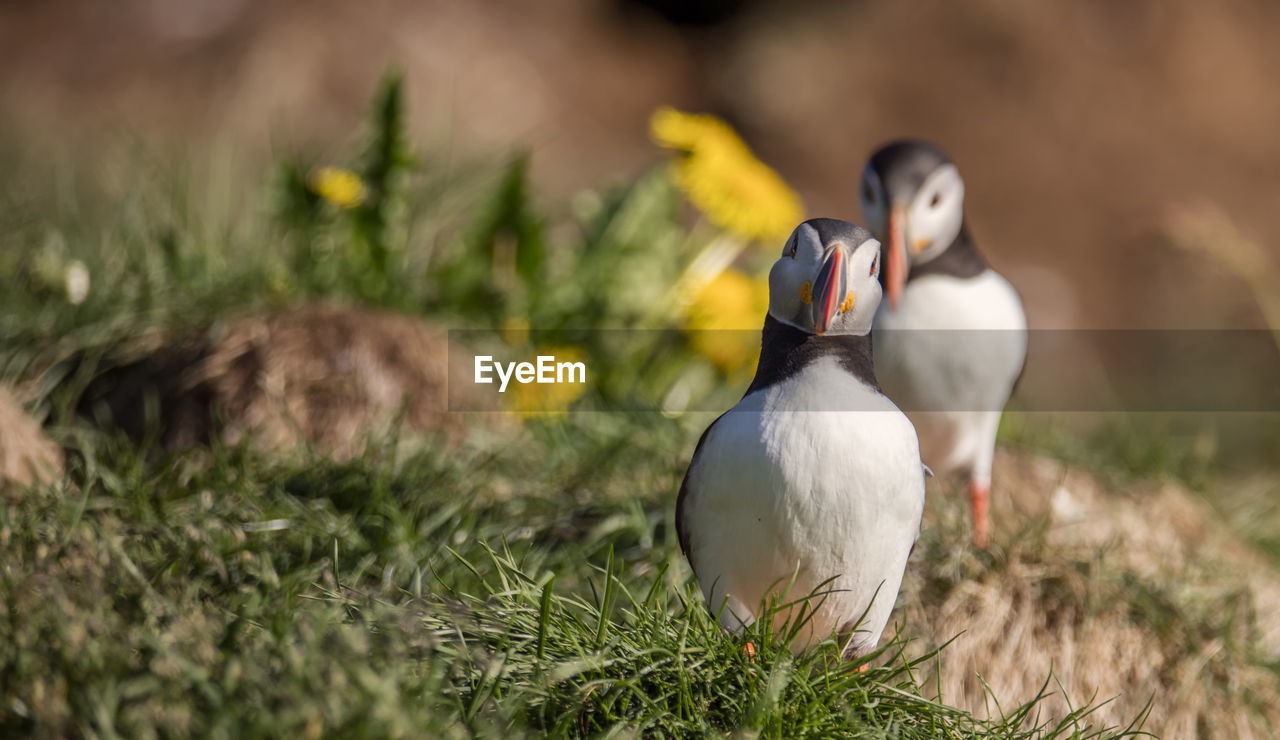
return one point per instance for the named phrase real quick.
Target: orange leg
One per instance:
(979, 499)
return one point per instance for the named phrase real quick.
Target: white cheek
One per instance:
(926, 222)
(785, 280)
(936, 226)
(870, 306)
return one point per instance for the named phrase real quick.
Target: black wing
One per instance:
(682, 534)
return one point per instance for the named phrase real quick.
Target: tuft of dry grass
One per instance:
(27, 455)
(325, 376)
(1205, 228)
(1140, 594)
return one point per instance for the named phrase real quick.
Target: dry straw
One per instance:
(27, 455)
(1206, 229)
(1069, 606)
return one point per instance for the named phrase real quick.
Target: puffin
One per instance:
(812, 483)
(951, 336)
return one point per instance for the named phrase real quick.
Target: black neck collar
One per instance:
(786, 350)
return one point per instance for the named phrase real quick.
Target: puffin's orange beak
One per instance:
(829, 292)
(895, 265)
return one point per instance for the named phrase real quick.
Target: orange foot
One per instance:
(750, 650)
(979, 499)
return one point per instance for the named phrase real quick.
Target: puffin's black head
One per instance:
(913, 199)
(903, 165)
(827, 279)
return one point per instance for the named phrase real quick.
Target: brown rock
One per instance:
(327, 376)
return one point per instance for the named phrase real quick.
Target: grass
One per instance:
(524, 590)
(1126, 447)
(523, 582)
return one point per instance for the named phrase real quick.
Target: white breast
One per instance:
(949, 355)
(784, 493)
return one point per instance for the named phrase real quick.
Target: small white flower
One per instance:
(77, 280)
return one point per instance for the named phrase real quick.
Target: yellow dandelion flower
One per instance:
(723, 179)
(515, 330)
(723, 320)
(343, 188)
(539, 398)
(673, 129)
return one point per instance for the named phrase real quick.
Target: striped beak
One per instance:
(831, 293)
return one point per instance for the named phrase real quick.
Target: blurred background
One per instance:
(248, 250)
(1088, 132)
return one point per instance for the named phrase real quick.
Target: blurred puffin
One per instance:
(951, 337)
(814, 477)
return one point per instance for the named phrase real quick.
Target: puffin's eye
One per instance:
(868, 193)
(937, 198)
(874, 262)
(795, 245)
